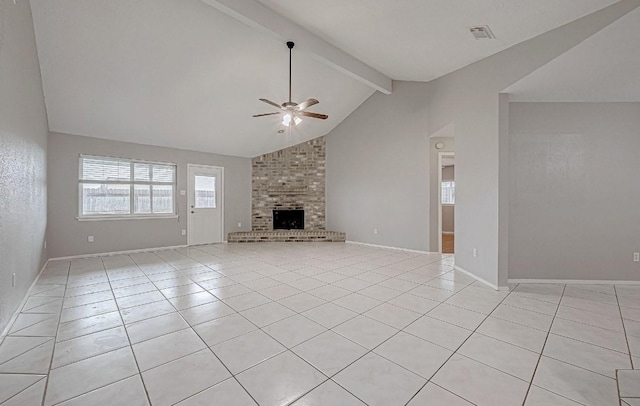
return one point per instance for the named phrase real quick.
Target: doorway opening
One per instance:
(446, 202)
(205, 215)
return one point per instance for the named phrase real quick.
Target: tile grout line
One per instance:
(328, 329)
(535, 370)
(458, 348)
(618, 388)
(331, 329)
(124, 327)
(624, 327)
(207, 348)
(46, 386)
(323, 270)
(628, 347)
(330, 378)
(368, 350)
(323, 281)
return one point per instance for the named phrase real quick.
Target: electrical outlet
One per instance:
(183, 192)
(90, 238)
(239, 225)
(636, 257)
(184, 232)
(475, 253)
(13, 280)
(375, 231)
(45, 244)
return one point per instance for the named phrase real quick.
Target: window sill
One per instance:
(109, 218)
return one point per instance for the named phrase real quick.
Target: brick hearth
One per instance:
(288, 236)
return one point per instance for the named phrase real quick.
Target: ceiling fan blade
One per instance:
(314, 115)
(265, 114)
(306, 104)
(274, 104)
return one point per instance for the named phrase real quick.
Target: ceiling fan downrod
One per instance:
(290, 44)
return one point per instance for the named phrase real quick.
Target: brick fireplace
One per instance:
(290, 179)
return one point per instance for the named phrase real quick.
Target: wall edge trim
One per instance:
(479, 279)
(5, 331)
(393, 248)
(577, 281)
(103, 254)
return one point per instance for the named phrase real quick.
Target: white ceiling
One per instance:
(182, 74)
(421, 40)
(603, 68)
(177, 73)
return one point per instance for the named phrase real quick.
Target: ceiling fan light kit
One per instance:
(292, 111)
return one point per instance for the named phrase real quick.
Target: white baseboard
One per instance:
(479, 279)
(391, 248)
(106, 254)
(448, 232)
(576, 281)
(13, 318)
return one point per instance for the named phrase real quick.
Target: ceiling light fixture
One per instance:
(293, 111)
(289, 118)
(482, 32)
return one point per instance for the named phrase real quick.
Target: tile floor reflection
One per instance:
(313, 324)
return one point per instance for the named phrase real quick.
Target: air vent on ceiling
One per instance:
(481, 32)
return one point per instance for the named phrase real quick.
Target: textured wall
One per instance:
(68, 236)
(23, 149)
(378, 170)
(573, 209)
(292, 178)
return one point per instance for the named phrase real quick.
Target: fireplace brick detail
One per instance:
(290, 179)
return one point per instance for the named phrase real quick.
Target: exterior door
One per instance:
(205, 215)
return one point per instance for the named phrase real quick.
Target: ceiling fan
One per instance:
(292, 111)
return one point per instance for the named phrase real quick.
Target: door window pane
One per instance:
(205, 192)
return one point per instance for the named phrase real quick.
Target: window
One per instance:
(115, 187)
(449, 192)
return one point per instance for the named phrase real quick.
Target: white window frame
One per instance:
(131, 183)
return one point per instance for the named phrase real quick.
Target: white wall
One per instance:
(68, 236)
(23, 149)
(383, 143)
(469, 101)
(575, 191)
(378, 170)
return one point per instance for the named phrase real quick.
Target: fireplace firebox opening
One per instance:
(288, 219)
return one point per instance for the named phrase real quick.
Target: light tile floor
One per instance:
(313, 324)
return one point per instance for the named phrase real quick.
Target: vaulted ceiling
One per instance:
(184, 74)
(603, 68)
